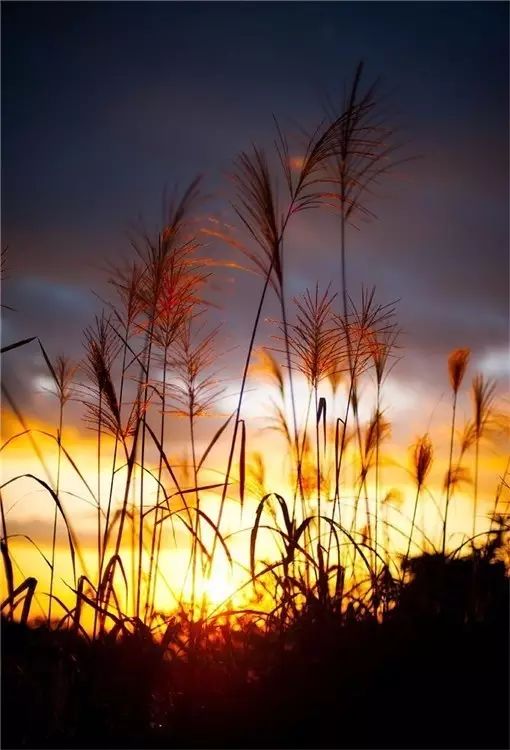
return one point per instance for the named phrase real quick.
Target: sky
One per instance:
(105, 106)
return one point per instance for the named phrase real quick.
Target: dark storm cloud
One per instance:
(105, 104)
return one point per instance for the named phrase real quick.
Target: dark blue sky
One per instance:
(103, 105)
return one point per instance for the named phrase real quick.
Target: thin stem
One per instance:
(194, 553)
(318, 460)
(274, 255)
(5, 539)
(131, 464)
(57, 490)
(240, 401)
(114, 460)
(156, 529)
(377, 456)
(291, 384)
(406, 558)
(498, 496)
(99, 558)
(449, 478)
(142, 464)
(133, 540)
(475, 492)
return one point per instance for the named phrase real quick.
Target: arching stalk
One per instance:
(57, 492)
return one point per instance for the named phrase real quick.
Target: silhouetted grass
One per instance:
(433, 673)
(348, 639)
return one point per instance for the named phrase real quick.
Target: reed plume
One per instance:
(195, 388)
(363, 153)
(102, 407)
(257, 474)
(168, 296)
(100, 396)
(376, 431)
(178, 302)
(364, 325)
(422, 457)
(3, 275)
(457, 364)
(317, 351)
(483, 394)
(127, 280)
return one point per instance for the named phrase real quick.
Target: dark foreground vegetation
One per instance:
(432, 673)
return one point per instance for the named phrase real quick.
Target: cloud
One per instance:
(496, 363)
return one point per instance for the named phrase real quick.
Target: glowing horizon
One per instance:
(29, 509)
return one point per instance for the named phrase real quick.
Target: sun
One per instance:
(217, 589)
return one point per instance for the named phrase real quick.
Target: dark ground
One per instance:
(434, 674)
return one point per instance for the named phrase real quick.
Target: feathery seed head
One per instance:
(457, 364)
(423, 453)
(483, 393)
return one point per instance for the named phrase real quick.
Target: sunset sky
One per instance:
(105, 106)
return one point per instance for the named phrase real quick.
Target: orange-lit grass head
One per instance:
(457, 365)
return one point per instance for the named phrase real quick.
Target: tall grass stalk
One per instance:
(482, 392)
(258, 211)
(422, 462)
(382, 350)
(126, 283)
(64, 372)
(457, 364)
(364, 153)
(103, 410)
(166, 293)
